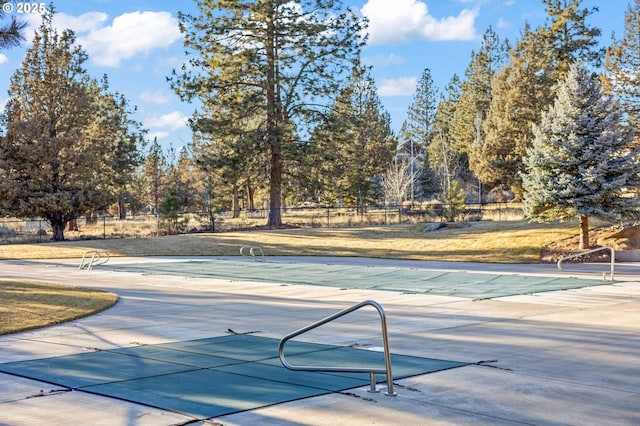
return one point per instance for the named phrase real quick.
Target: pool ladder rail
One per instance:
(98, 257)
(372, 371)
(604, 274)
(255, 252)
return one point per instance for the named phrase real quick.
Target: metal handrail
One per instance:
(254, 251)
(604, 274)
(372, 371)
(98, 258)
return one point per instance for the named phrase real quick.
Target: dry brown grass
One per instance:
(28, 305)
(504, 242)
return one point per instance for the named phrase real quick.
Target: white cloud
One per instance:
(398, 21)
(86, 22)
(130, 34)
(174, 120)
(158, 97)
(403, 86)
(3, 103)
(3, 58)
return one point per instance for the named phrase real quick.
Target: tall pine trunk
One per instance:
(273, 136)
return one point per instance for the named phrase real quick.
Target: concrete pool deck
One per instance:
(558, 357)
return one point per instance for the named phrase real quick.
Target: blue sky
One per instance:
(137, 44)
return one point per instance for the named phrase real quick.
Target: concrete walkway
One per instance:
(566, 357)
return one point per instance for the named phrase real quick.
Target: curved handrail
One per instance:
(98, 258)
(604, 274)
(254, 251)
(372, 371)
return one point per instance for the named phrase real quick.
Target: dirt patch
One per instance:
(620, 238)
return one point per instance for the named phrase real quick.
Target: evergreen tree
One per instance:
(268, 59)
(418, 131)
(454, 199)
(568, 36)
(155, 172)
(526, 87)
(520, 92)
(170, 209)
(124, 157)
(421, 113)
(622, 65)
(475, 95)
(138, 191)
(184, 179)
(355, 142)
(232, 153)
(472, 105)
(581, 160)
(54, 153)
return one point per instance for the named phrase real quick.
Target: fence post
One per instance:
(104, 227)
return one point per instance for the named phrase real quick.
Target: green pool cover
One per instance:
(208, 378)
(472, 285)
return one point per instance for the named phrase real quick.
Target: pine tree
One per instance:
(124, 157)
(475, 95)
(421, 113)
(581, 160)
(471, 108)
(54, 153)
(184, 179)
(170, 209)
(519, 93)
(231, 152)
(272, 60)
(569, 37)
(355, 142)
(155, 173)
(526, 87)
(418, 132)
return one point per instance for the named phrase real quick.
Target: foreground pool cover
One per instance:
(208, 378)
